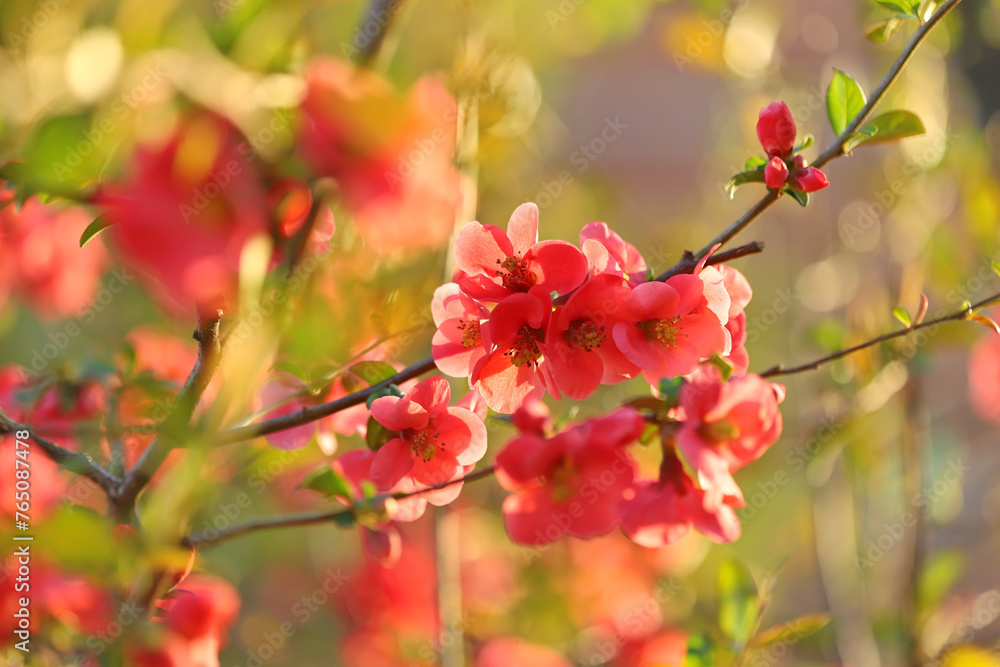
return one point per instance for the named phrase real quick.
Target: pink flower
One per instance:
(809, 179)
(41, 258)
(776, 130)
(776, 173)
(725, 426)
(458, 342)
(579, 343)
(498, 264)
(373, 140)
(658, 512)
(740, 294)
(667, 328)
(571, 483)
(434, 442)
(619, 257)
(505, 651)
(186, 211)
(984, 377)
(516, 369)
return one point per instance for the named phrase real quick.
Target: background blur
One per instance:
(635, 113)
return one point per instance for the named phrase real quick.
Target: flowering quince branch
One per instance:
(341, 517)
(209, 356)
(964, 314)
(79, 463)
(837, 147)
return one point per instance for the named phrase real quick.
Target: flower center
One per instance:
(515, 274)
(524, 350)
(471, 334)
(719, 432)
(585, 335)
(662, 330)
(424, 442)
(560, 480)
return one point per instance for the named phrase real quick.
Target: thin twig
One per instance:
(813, 365)
(835, 149)
(79, 463)
(315, 412)
(311, 518)
(689, 261)
(378, 16)
(209, 355)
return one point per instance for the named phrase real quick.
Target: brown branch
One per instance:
(379, 15)
(960, 315)
(835, 149)
(80, 463)
(209, 355)
(311, 518)
(315, 412)
(689, 261)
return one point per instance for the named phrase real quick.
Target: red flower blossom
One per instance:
(186, 212)
(516, 369)
(579, 343)
(434, 441)
(667, 328)
(776, 173)
(498, 264)
(42, 261)
(505, 651)
(389, 152)
(740, 294)
(619, 257)
(984, 377)
(657, 512)
(725, 426)
(776, 130)
(458, 342)
(571, 483)
(808, 179)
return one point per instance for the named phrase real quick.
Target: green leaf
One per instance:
(908, 7)
(903, 315)
(996, 267)
(328, 482)
(792, 631)
(670, 389)
(93, 229)
(742, 178)
(938, 575)
(891, 126)
(700, 651)
(882, 32)
(738, 604)
(391, 390)
(857, 138)
(984, 320)
(801, 197)
(844, 100)
(755, 162)
(377, 435)
(724, 367)
(646, 403)
(373, 372)
(807, 141)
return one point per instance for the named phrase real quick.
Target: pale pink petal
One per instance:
(522, 228)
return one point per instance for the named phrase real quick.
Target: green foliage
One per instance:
(744, 177)
(328, 482)
(844, 100)
(739, 606)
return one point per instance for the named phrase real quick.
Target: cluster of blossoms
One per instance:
(776, 131)
(525, 317)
